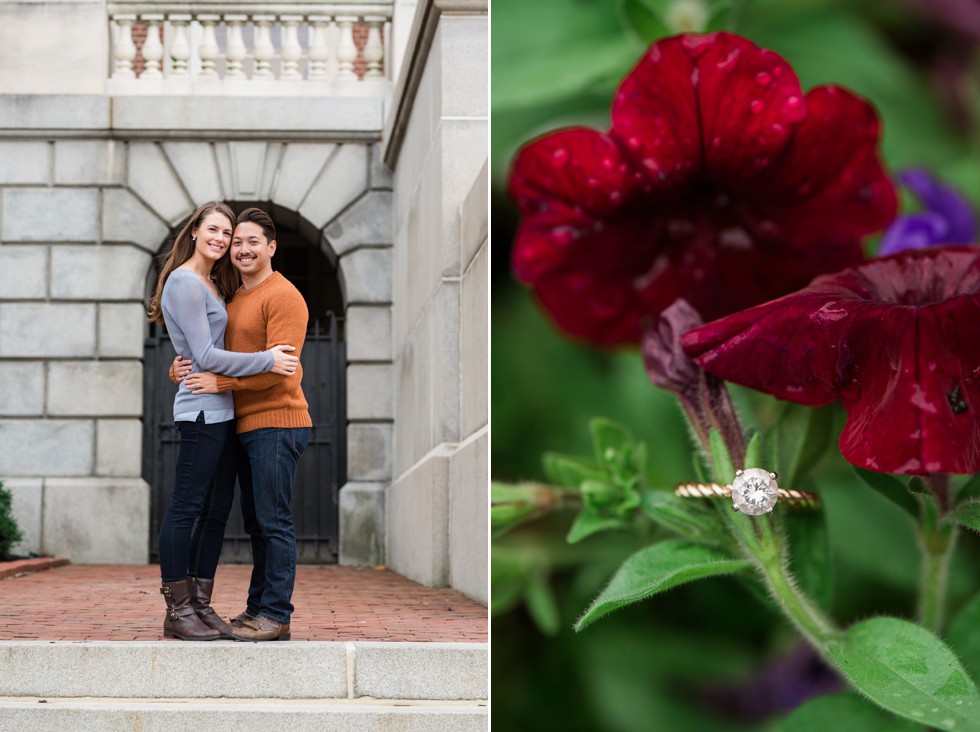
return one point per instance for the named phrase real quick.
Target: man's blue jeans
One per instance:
(266, 480)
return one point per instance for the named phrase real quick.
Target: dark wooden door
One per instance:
(322, 469)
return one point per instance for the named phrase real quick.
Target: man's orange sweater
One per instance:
(271, 313)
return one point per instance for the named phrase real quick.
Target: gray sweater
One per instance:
(196, 321)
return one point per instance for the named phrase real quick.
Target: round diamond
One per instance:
(754, 491)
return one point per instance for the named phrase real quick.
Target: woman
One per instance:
(194, 282)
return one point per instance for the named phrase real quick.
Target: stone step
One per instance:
(35, 714)
(291, 670)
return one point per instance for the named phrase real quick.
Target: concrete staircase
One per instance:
(224, 685)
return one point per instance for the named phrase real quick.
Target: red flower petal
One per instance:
(896, 340)
(695, 188)
(749, 101)
(829, 184)
(655, 115)
(579, 170)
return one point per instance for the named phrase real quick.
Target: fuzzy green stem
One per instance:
(809, 620)
(764, 546)
(937, 545)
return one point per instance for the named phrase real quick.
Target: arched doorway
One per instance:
(323, 469)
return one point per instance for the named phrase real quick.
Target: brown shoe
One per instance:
(239, 620)
(181, 621)
(201, 590)
(261, 628)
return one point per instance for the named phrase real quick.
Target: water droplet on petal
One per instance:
(727, 62)
(615, 197)
(777, 128)
(559, 158)
(763, 78)
(633, 143)
(592, 182)
(651, 164)
(756, 106)
(716, 142)
(563, 235)
(793, 102)
(735, 237)
(608, 163)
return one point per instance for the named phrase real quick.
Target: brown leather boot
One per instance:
(181, 621)
(201, 590)
(239, 620)
(261, 628)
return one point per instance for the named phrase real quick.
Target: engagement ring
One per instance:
(754, 491)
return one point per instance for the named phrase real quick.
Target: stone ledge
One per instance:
(326, 119)
(20, 567)
(29, 714)
(313, 670)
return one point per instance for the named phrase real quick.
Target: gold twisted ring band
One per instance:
(754, 491)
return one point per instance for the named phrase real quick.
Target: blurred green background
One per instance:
(685, 660)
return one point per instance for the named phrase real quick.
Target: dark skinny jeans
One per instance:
(193, 528)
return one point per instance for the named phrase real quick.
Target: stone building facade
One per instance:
(385, 175)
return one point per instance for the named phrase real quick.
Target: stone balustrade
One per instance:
(240, 47)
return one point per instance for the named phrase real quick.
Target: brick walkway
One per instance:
(123, 602)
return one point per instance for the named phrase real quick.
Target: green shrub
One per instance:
(9, 532)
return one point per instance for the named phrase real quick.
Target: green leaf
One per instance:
(971, 489)
(753, 452)
(843, 711)
(641, 22)
(505, 594)
(512, 504)
(891, 488)
(803, 437)
(504, 517)
(568, 471)
(541, 605)
(610, 440)
(907, 670)
(588, 523)
(810, 560)
(928, 507)
(964, 637)
(685, 517)
(721, 461)
(656, 569)
(967, 514)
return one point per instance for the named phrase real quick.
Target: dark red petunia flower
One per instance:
(717, 168)
(897, 340)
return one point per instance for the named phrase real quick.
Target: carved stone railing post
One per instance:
(235, 51)
(373, 50)
(292, 52)
(319, 52)
(264, 50)
(153, 47)
(124, 50)
(208, 50)
(346, 50)
(303, 45)
(180, 48)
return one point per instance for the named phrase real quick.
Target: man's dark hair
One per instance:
(260, 217)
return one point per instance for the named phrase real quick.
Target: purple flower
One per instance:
(948, 217)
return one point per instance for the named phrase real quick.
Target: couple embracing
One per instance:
(240, 412)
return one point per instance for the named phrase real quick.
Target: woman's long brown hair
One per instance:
(225, 275)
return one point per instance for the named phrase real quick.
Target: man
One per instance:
(273, 423)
